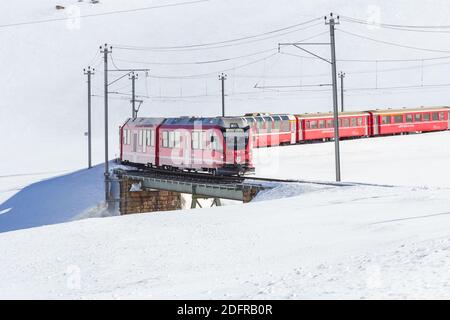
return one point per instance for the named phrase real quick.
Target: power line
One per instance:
(399, 68)
(198, 62)
(414, 28)
(391, 43)
(225, 43)
(202, 75)
(8, 25)
(415, 87)
(372, 60)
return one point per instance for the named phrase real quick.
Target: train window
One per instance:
(284, 117)
(124, 136)
(203, 140)
(409, 118)
(354, 122)
(260, 123)
(346, 122)
(360, 121)
(398, 118)
(426, 117)
(171, 139)
(195, 140)
(165, 139)
(330, 123)
(313, 124)
(386, 119)
(290, 125)
(177, 139)
(417, 117)
(214, 142)
(129, 137)
(277, 125)
(308, 125)
(435, 116)
(141, 137)
(147, 138)
(321, 124)
(441, 116)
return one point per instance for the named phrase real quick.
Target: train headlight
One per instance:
(238, 158)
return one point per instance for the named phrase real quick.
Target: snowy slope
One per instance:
(318, 242)
(413, 160)
(349, 242)
(54, 200)
(380, 161)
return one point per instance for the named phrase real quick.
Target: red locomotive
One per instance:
(216, 145)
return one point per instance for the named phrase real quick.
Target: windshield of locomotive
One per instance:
(236, 139)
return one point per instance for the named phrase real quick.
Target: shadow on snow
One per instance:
(54, 200)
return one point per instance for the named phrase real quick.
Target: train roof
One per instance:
(402, 110)
(145, 121)
(225, 122)
(330, 114)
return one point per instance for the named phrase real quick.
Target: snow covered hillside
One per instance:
(25, 202)
(296, 241)
(414, 160)
(342, 242)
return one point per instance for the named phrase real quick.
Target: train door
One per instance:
(448, 115)
(293, 127)
(236, 141)
(375, 127)
(300, 128)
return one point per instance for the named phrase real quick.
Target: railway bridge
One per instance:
(159, 190)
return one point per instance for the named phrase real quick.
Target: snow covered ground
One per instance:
(412, 160)
(295, 241)
(343, 242)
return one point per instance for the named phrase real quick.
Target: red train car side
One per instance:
(139, 138)
(320, 126)
(399, 121)
(269, 130)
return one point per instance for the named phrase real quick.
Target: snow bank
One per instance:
(54, 200)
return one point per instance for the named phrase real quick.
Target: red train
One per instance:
(216, 145)
(223, 145)
(320, 126)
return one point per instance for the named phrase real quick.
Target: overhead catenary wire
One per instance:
(372, 60)
(197, 62)
(213, 73)
(399, 27)
(34, 22)
(224, 43)
(391, 43)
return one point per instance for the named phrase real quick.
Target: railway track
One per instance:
(209, 178)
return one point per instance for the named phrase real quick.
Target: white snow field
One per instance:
(295, 241)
